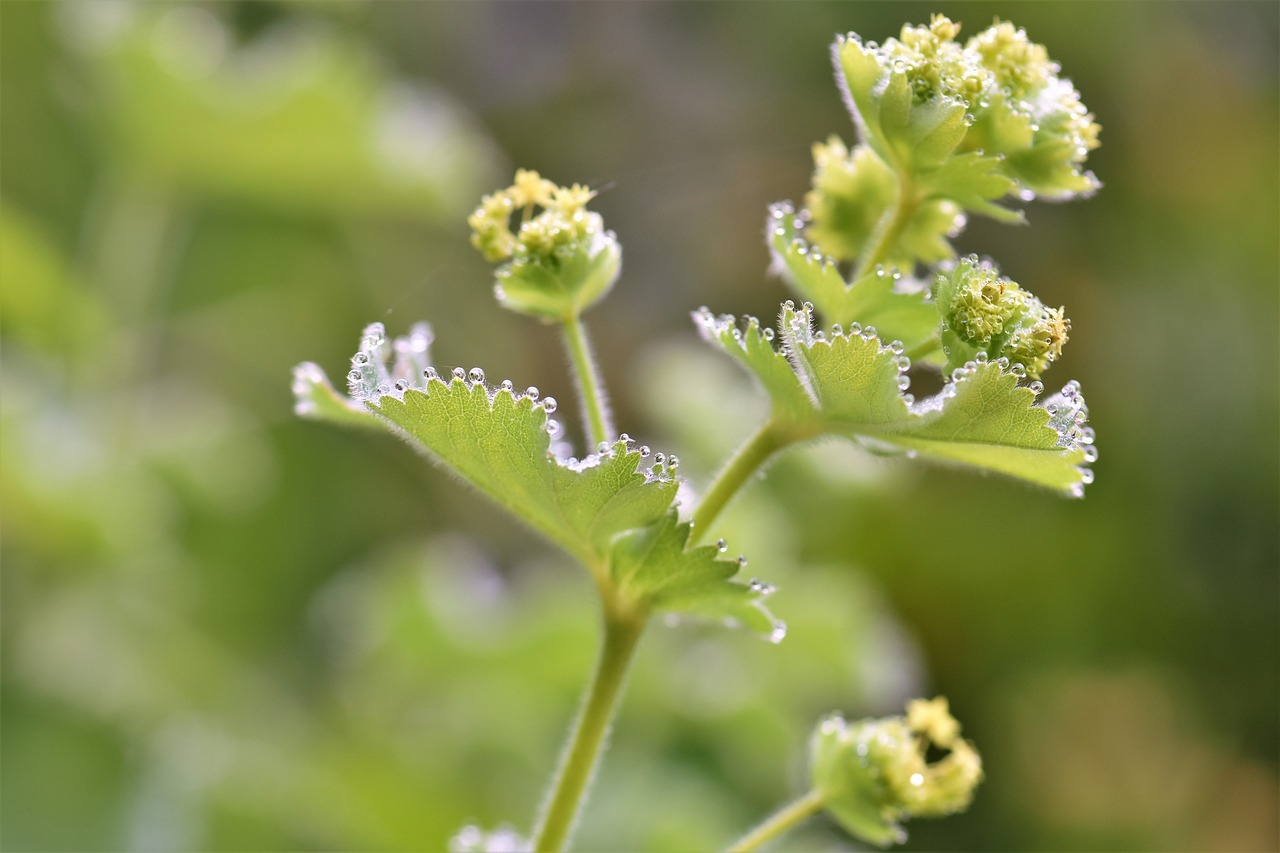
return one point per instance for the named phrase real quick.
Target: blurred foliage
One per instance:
(225, 628)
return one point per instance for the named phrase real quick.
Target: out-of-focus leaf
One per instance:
(300, 118)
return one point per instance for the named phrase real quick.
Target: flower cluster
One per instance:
(984, 312)
(559, 260)
(872, 774)
(922, 97)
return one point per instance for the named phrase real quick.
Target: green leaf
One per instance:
(974, 182)
(499, 441)
(870, 301)
(850, 384)
(655, 565)
(984, 419)
(754, 349)
(316, 398)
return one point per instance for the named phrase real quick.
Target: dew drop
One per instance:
(531, 392)
(553, 427)
(898, 347)
(837, 330)
(722, 545)
(1018, 370)
(431, 373)
(742, 564)
(459, 373)
(602, 448)
(767, 333)
(353, 376)
(659, 459)
(1090, 454)
(904, 382)
(476, 375)
(1086, 476)
(981, 358)
(507, 385)
(549, 405)
(644, 451)
(1036, 387)
(855, 328)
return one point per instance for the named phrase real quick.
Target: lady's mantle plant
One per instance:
(948, 129)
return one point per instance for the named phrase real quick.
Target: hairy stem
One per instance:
(595, 405)
(890, 227)
(779, 822)
(734, 475)
(581, 755)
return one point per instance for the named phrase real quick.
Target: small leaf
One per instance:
(316, 398)
(974, 182)
(655, 566)
(754, 350)
(870, 301)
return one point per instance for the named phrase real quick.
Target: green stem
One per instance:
(595, 405)
(577, 766)
(890, 227)
(733, 476)
(780, 822)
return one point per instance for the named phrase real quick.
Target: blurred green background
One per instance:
(228, 629)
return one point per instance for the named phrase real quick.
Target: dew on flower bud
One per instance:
(549, 405)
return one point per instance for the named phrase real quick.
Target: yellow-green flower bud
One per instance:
(1032, 117)
(873, 774)
(983, 312)
(1038, 344)
(560, 260)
